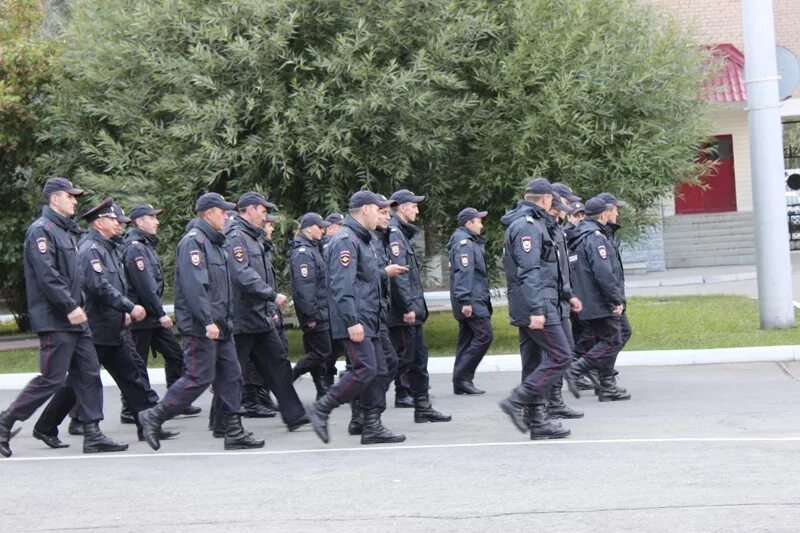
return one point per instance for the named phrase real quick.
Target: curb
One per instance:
(512, 363)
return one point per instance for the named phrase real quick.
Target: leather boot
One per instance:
(94, 441)
(466, 387)
(403, 401)
(318, 414)
(356, 424)
(151, 420)
(318, 377)
(609, 392)
(51, 440)
(584, 383)
(236, 438)
(515, 406)
(542, 427)
(75, 427)
(253, 408)
(556, 408)
(578, 368)
(616, 384)
(126, 415)
(164, 434)
(265, 398)
(6, 433)
(192, 410)
(424, 411)
(374, 431)
(218, 426)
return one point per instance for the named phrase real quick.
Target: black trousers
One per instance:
(317, 345)
(163, 341)
(267, 352)
(207, 362)
(367, 377)
(607, 332)
(546, 355)
(412, 357)
(474, 339)
(61, 352)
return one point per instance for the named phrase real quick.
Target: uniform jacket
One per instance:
(469, 277)
(353, 281)
(592, 263)
(52, 275)
(611, 232)
(407, 292)
(309, 284)
(530, 262)
(145, 277)
(105, 286)
(253, 277)
(203, 289)
(565, 285)
(378, 245)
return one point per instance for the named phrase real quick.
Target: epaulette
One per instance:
(529, 219)
(598, 232)
(302, 249)
(192, 233)
(393, 228)
(463, 242)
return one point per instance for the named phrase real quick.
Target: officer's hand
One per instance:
(77, 316)
(618, 309)
(311, 325)
(356, 333)
(575, 304)
(281, 300)
(127, 320)
(466, 310)
(212, 332)
(410, 317)
(537, 322)
(138, 313)
(166, 322)
(395, 270)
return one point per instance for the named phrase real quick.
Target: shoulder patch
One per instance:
(529, 219)
(304, 270)
(194, 257)
(527, 244)
(97, 266)
(139, 262)
(41, 245)
(395, 248)
(238, 253)
(345, 258)
(464, 260)
(602, 251)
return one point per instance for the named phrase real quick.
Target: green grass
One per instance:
(659, 323)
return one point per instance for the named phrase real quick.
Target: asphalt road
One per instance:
(700, 448)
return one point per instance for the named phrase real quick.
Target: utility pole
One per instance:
(773, 263)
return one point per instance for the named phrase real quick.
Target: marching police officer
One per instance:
(469, 298)
(530, 261)
(409, 310)
(256, 303)
(354, 284)
(146, 288)
(55, 302)
(310, 297)
(597, 279)
(204, 311)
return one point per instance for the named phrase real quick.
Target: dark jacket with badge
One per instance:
(203, 289)
(145, 277)
(407, 291)
(469, 277)
(378, 239)
(564, 283)
(309, 284)
(353, 281)
(105, 286)
(253, 277)
(52, 273)
(530, 262)
(593, 273)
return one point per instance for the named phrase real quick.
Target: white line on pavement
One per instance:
(565, 442)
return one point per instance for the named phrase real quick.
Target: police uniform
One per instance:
(469, 285)
(66, 353)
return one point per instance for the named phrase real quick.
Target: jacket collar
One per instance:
(361, 232)
(63, 222)
(247, 227)
(138, 235)
(408, 229)
(96, 236)
(213, 235)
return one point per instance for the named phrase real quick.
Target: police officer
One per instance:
(204, 311)
(354, 280)
(530, 262)
(146, 288)
(469, 298)
(55, 303)
(335, 223)
(409, 310)
(310, 297)
(256, 303)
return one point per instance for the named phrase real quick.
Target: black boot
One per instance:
(126, 415)
(94, 441)
(51, 440)
(424, 411)
(265, 398)
(253, 408)
(465, 386)
(356, 424)
(318, 414)
(542, 427)
(164, 434)
(403, 401)
(6, 433)
(318, 377)
(609, 392)
(151, 420)
(584, 383)
(374, 431)
(578, 368)
(75, 427)
(556, 407)
(516, 405)
(236, 438)
(192, 410)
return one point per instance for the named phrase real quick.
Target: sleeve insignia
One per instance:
(345, 258)
(573, 258)
(463, 242)
(395, 247)
(139, 262)
(304, 270)
(527, 244)
(529, 219)
(41, 244)
(301, 249)
(602, 251)
(464, 260)
(238, 253)
(194, 257)
(97, 266)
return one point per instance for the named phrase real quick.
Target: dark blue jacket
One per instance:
(52, 275)
(353, 281)
(565, 285)
(309, 284)
(407, 291)
(145, 277)
(530, 262)
(105, 286)
(592, 264)
(203, 289)
(469, 277)
(378, 245)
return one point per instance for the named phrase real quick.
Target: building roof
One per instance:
(728, 86)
